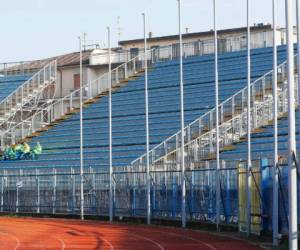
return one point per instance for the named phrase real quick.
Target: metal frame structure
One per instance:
(54, 110)
(29, 97)
(58, 191)
(182, 177)
(233, 122)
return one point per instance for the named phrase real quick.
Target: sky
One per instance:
(36, 29)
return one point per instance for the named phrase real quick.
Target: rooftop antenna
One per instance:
(119, 29)
(84, 41)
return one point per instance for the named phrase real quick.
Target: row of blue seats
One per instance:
(10, 83)
(263, 143)
(61, 143)
(254, 52)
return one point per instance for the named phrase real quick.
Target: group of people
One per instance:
(22, 152)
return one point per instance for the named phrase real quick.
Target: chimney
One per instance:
(186, 30)
(150, 34)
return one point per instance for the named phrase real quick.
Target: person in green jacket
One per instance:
(26, 151)
(19, 148)
(37, 150)
(9, 153)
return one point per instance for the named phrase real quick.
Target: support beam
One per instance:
(275, 117)
(81, 138)
(183, 186)
(218, 194)
(111, 199)
(249, 162)
(292, 171)
(147, 124)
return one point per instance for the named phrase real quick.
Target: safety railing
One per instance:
(26, 95)
(56, 190)
(169, 52)
(200, 135)
(14, 68)
(70, 103)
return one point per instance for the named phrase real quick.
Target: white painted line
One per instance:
(63, 244)
(148, 239)
(187, 237)
(14, 237)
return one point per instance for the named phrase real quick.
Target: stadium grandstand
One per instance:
(193, 129)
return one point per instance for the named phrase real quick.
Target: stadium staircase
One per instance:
(60, 139)
(21, 100)
(59, 110)
(200, 135)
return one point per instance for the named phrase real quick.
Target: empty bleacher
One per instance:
(10, 83)
(263, 142)
(61, 143)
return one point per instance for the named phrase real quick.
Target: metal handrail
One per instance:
(198, 121)
(27, 82)
(70, 96)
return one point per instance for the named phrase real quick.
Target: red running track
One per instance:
(27, 233)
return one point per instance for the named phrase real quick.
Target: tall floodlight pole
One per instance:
(218, 191)
(298, 51)
(249, 163)
(147, 124)
(275, 117)
(81, 134)
(292, 171)
(110, 129)
(183, 191)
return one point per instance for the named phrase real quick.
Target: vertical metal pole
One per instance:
(249, 163)
(38, 190)
(183, 187)
(147, 125)
(17, 202)
(2, 191)
(298, 50)
(275, 117)
(81, 138)
(54, 192)
(217, 121)
(73, 190)
(110, 130)
(292, 172)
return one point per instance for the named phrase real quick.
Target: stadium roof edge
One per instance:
(198, 34)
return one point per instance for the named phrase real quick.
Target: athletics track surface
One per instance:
(27, 233)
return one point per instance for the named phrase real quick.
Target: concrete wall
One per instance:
(65, 77)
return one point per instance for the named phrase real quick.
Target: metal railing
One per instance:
(27, 95)
(200, 135)
(57, 191)
(70, 103)
(167, 52)
(14, 68)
